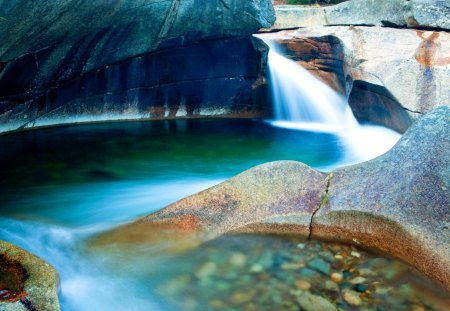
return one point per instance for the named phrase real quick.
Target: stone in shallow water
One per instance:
(310, 302)
(337, 277)
(352, 298)
(320, 265)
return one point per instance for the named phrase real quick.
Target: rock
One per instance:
(206, 270)
(337, 277)
(95, 61)
(256, 268)
(238, 259)
(302, 284)
(427, 13)
(358, 280)
(361, 288)
(352, 298)
(26, 277)
(390, 13)
(320, 265)
(332, 286)
(398, 203)
(306, 272)
(355, 254)
(310, 302)
(266, 199)
(350, 60)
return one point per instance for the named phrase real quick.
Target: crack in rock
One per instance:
(323, 202)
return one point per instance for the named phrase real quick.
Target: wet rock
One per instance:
(352, 298)
(27, 277)
(337, 277)
(358, 280)
(320, 265)
(361, 288)
(206, 270)
(310, 302)
(302, 284)
(238, 259)
(87, 55)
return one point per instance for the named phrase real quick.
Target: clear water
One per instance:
(59, 186)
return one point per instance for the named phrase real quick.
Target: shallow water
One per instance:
(60, 186)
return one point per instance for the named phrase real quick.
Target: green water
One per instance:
(128, 169)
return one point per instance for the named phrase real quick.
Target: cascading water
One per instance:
(303, 102)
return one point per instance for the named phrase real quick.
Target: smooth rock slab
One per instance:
(398, 203)
(274, 197)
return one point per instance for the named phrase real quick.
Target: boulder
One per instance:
(431, 14)
(397, 204)
(60, 59)
(263, 199)
(28, 278)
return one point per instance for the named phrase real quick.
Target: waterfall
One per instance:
(303, 102)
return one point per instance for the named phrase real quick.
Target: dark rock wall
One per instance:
(216, 77)
(95, 57)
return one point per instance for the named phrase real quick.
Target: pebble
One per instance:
(337, 277)
(361, 288)
(338, 257)
(352, 298)
(292, 266)
(241, 297)
(205, 270)
(355, 254)
(320, 265)
(329, 285)
(308, 272)
(256, 268)
(302, 284)
(310, 302)
(238, 259)
(358, 280)
(301, 245)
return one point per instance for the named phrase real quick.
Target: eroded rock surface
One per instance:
(71, 61)
(397, 204)
(28, 278)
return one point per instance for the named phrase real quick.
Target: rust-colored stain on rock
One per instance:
(12, 280)
(429, 52)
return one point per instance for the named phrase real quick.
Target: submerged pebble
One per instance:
(271, 273)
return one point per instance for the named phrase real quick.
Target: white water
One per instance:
(303, 102)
